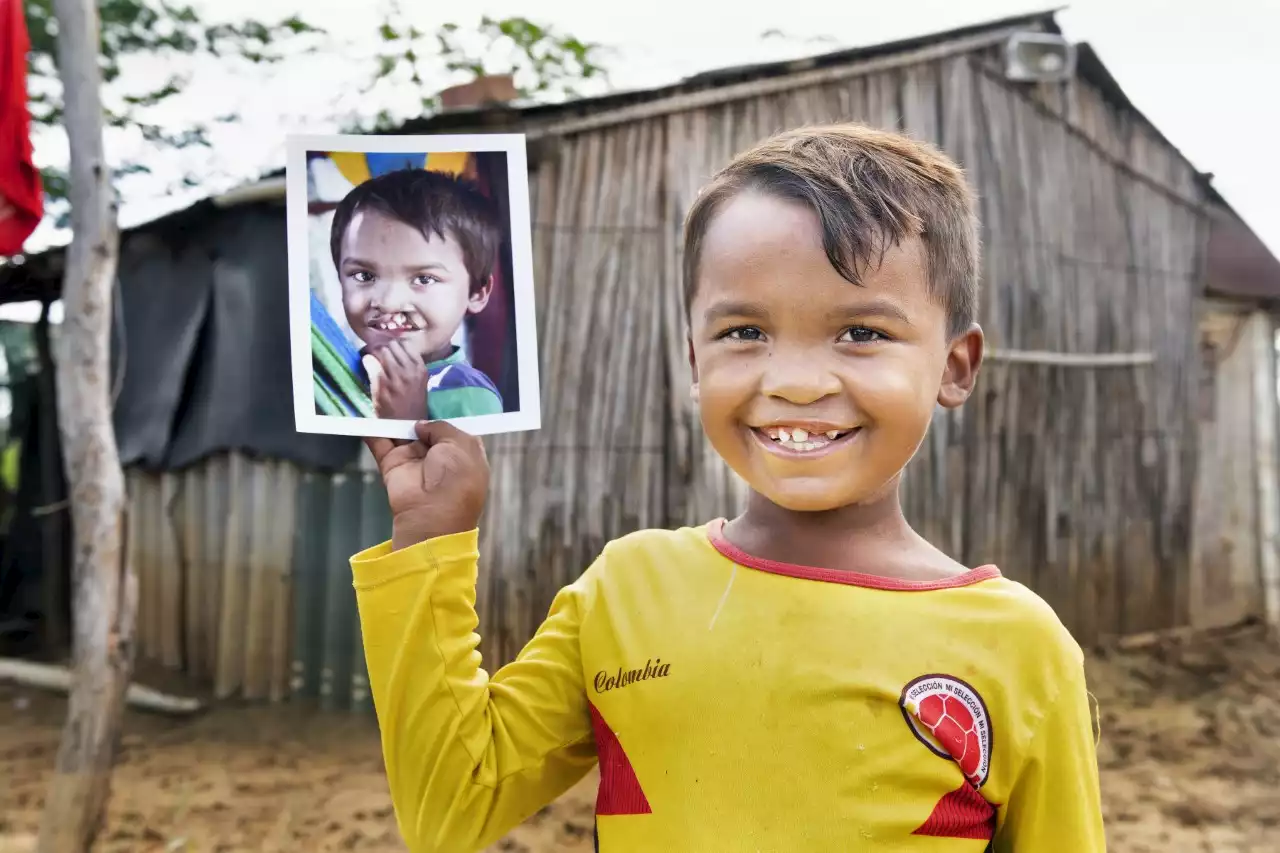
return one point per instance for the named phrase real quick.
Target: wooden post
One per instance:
(1266, 456)
(104, 590)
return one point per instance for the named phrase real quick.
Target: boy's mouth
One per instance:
(804, 439)
(395, 323)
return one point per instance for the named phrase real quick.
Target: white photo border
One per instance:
(306, 418)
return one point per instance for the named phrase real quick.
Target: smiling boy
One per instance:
(415, 252)
(810, 676)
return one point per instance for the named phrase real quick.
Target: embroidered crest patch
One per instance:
(949, 717)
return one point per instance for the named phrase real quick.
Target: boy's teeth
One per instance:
(396, 322)
(799, 438)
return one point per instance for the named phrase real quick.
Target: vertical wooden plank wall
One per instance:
(1075, 479)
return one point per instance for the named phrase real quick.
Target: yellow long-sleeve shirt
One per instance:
(734, 704)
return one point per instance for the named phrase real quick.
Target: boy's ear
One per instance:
(964, 358)
(693, 370)
(479, 296)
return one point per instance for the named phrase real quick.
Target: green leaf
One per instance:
(56, 182)
(150, 99)
(297, 26)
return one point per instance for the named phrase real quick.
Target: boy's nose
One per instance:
(393, 296)
(798, 378)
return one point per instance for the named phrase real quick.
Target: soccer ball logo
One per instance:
(948, 716)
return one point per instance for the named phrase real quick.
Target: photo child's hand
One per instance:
(436, 485)
(397, 382)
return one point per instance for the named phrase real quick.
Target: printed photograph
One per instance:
(411, 285)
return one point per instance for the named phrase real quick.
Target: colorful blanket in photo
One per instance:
(340, 384)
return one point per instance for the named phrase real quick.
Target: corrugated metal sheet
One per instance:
(244, 579)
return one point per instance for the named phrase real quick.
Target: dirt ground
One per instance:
(1190, 761)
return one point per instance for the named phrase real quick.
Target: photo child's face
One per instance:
(814, 390)
(399, 285)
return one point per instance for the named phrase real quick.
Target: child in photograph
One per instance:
(415, 253)
(811, 675)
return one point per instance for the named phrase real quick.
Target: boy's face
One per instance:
(779, 341)
(397, 284)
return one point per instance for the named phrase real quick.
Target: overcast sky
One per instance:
(1187, 64)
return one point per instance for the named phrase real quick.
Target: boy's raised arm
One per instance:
(468, 756)
(1055, 803)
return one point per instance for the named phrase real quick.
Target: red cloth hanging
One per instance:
(21, 194)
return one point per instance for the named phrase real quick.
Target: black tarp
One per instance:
(202, 344)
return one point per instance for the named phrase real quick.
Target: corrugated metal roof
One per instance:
(501, 115)
(1238, 265)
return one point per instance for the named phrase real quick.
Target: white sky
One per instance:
(1187, 64)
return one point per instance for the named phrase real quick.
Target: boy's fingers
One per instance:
(431, 433)
(387, 354)
(440, 432)
(403, 358)
(379, 447)
(390, 452)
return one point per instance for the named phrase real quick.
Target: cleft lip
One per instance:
(394, 323)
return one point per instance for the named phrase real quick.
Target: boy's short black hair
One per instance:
(432, 202)
(870, 189)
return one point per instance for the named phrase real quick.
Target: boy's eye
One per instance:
(362, 276)
(425, 279)
(862, 335)
(743, 333)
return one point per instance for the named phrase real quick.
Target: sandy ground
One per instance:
(1190, 760)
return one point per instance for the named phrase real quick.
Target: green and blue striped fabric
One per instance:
(340, 385)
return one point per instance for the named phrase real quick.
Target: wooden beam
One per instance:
(1072, 359)
(58, 679)
(1265, 455)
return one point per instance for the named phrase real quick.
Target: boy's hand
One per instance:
(397, 383)
(436, 485)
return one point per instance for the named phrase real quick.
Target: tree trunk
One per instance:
(104, 589)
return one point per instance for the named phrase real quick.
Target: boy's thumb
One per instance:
(374, 368)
